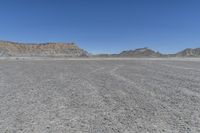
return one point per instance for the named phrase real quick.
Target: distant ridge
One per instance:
(146, 52)
(137, 53)
(189, 53)
(8, 48)
(15, 49)
(141, 52)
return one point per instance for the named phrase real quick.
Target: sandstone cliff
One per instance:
(41, 50)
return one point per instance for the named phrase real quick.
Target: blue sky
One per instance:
(104, 26)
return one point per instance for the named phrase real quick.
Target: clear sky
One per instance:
(104, 26)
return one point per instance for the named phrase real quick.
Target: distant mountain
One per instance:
(146, 52)
(141, 52)
(71, 50)
(41, 50)
(189, 53)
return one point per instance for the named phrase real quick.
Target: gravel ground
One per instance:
(99, 96)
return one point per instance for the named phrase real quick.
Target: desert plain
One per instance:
(100, 96)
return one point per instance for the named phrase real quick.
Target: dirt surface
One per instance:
(102, 96)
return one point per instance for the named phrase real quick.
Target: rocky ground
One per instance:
(99, 96)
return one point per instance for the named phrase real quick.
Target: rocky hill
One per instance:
(41, 50)
(189, 53)
(141, 52)
(146, 52)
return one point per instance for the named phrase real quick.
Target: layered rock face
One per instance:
(41, 50)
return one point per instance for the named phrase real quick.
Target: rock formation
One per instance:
(41, 50)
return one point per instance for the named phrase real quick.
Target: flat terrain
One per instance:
(100, 96)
